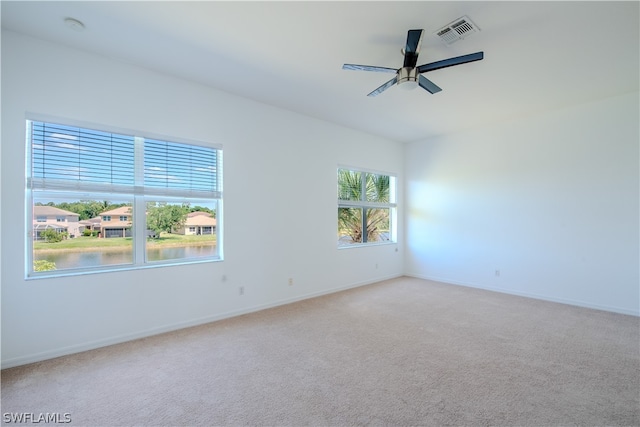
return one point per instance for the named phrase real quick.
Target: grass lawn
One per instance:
(89, 243)
(167, 239)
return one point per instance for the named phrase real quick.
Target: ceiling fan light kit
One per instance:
(409, 76)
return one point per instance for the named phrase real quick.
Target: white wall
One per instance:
(279, 204)
(551, 201)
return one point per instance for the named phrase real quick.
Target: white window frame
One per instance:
(136, 194)
(392, 205)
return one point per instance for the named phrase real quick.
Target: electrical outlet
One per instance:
(376, 265)
(241, 290)
(290, 281)
(497, 273)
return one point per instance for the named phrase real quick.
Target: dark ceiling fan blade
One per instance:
(428, 85)
(412, 49)
(368, 68)
(384, 87)
(472, 57)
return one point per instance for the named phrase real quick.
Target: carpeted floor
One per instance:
(403, 352)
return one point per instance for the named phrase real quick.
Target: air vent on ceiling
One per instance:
(457, 30)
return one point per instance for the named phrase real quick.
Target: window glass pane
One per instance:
(378, 229)
(70, 153)
(349, 226)
(181, 230)
(377, 188)
(349, 185)
(71, 234)
(175, 165)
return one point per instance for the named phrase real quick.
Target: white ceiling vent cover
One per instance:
(457, 30)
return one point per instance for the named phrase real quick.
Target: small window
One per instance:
(366, 207)
(100, 200)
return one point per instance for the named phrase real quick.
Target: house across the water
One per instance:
(52, 218)
(198, 223)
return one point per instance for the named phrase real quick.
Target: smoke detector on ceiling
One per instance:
(457, 30)
(74, 24)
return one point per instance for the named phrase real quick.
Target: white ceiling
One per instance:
(537, 55)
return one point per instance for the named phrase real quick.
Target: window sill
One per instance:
(106, 269)
(366, 245)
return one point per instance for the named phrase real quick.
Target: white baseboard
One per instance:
(577, 303)
(92, 345)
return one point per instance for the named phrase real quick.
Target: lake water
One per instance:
(66, 260)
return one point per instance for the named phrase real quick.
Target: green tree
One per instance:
(164, 217)
(43, 265)
(52, 236)
(88, 209)
(375, 188)
(203, 209)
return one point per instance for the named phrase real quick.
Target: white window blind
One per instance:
(70, 158)
(172, 168)
(73, 158)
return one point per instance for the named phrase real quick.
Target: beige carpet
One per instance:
(403, 352)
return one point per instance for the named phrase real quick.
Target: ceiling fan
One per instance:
(409, 75)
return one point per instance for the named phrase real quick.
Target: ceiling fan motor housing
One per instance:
(408, 77)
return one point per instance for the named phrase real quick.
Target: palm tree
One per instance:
(375, 188)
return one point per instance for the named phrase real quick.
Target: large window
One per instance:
(98, 200)
(366, 207)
